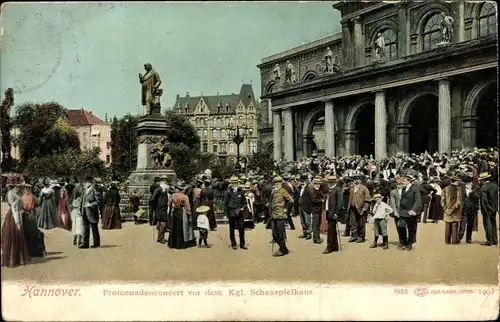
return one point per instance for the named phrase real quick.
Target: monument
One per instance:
(153, 159)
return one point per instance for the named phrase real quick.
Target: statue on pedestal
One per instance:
(329, 61)
(379, 47)
(277, 73)
(150, 88)
(290, 76)
(446, 28)
(160, 154)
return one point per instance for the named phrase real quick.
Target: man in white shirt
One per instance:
(380, 212)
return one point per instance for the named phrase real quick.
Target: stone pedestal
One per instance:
(150, 130)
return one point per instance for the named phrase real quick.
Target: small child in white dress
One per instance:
(203, 225)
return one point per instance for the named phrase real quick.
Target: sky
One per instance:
(89, 55)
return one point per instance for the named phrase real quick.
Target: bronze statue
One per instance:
(150, 87)
(160, 154)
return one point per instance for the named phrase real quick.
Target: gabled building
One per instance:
(92, 132)
(215, 118)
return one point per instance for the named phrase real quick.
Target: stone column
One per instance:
(270, 111)
(288, 139)
(459, 27)
(391, 127)
(277, 135)
(350, 142)
(469, 132)
(380, 126)
(358, 41)
(329, 129)
(403, 132)
(444, 116)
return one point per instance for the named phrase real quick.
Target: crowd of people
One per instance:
(352, 190)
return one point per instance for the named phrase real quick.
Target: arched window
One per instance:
(432, 32)
(391, 44)
(223, 133)
(487, 20)
(231, 148)
(205, 134)
(215, 133)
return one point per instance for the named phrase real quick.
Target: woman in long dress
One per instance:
(111, 218)
(47, 216)
(14, 248)
(63, 218)
(181, 231)
(76, 216)
(35, 239)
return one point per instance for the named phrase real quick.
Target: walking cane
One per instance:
(338, 235)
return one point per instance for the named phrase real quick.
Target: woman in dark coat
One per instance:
(111, 218)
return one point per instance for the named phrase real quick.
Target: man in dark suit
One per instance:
(305, 207)
(489, 208)
(334, 207)
(410, 205)
(426, 193)
(234, 204)
(152, 207)
(289, 186)
(91, 201)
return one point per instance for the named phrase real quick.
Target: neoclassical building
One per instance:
(345, 94)
(216, 116)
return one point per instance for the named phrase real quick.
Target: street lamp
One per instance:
(239, 134)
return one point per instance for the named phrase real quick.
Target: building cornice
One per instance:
(405, 63)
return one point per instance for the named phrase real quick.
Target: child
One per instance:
(203, 225)
(380, 212)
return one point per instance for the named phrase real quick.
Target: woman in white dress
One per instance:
(76, 216)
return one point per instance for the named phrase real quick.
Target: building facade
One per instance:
(216, 117)
(92, 132)
(346, 94)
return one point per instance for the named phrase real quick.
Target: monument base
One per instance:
(151, 129)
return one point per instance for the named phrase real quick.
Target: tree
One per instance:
(262, 161)
(181, 131)
(184, 146)
(43, 131)
(124, 145)
(6, 127)
(70, 163)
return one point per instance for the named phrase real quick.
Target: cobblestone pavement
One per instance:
(130, 254)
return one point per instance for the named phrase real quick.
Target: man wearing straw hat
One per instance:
(234, 204)
(278, 203)
(451, 203)
(359, 201)
(489, 208)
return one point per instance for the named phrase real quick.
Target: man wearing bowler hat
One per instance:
(91, 201)
(410, 204)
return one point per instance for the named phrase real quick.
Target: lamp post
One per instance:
(129, 122)
(239, 137)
